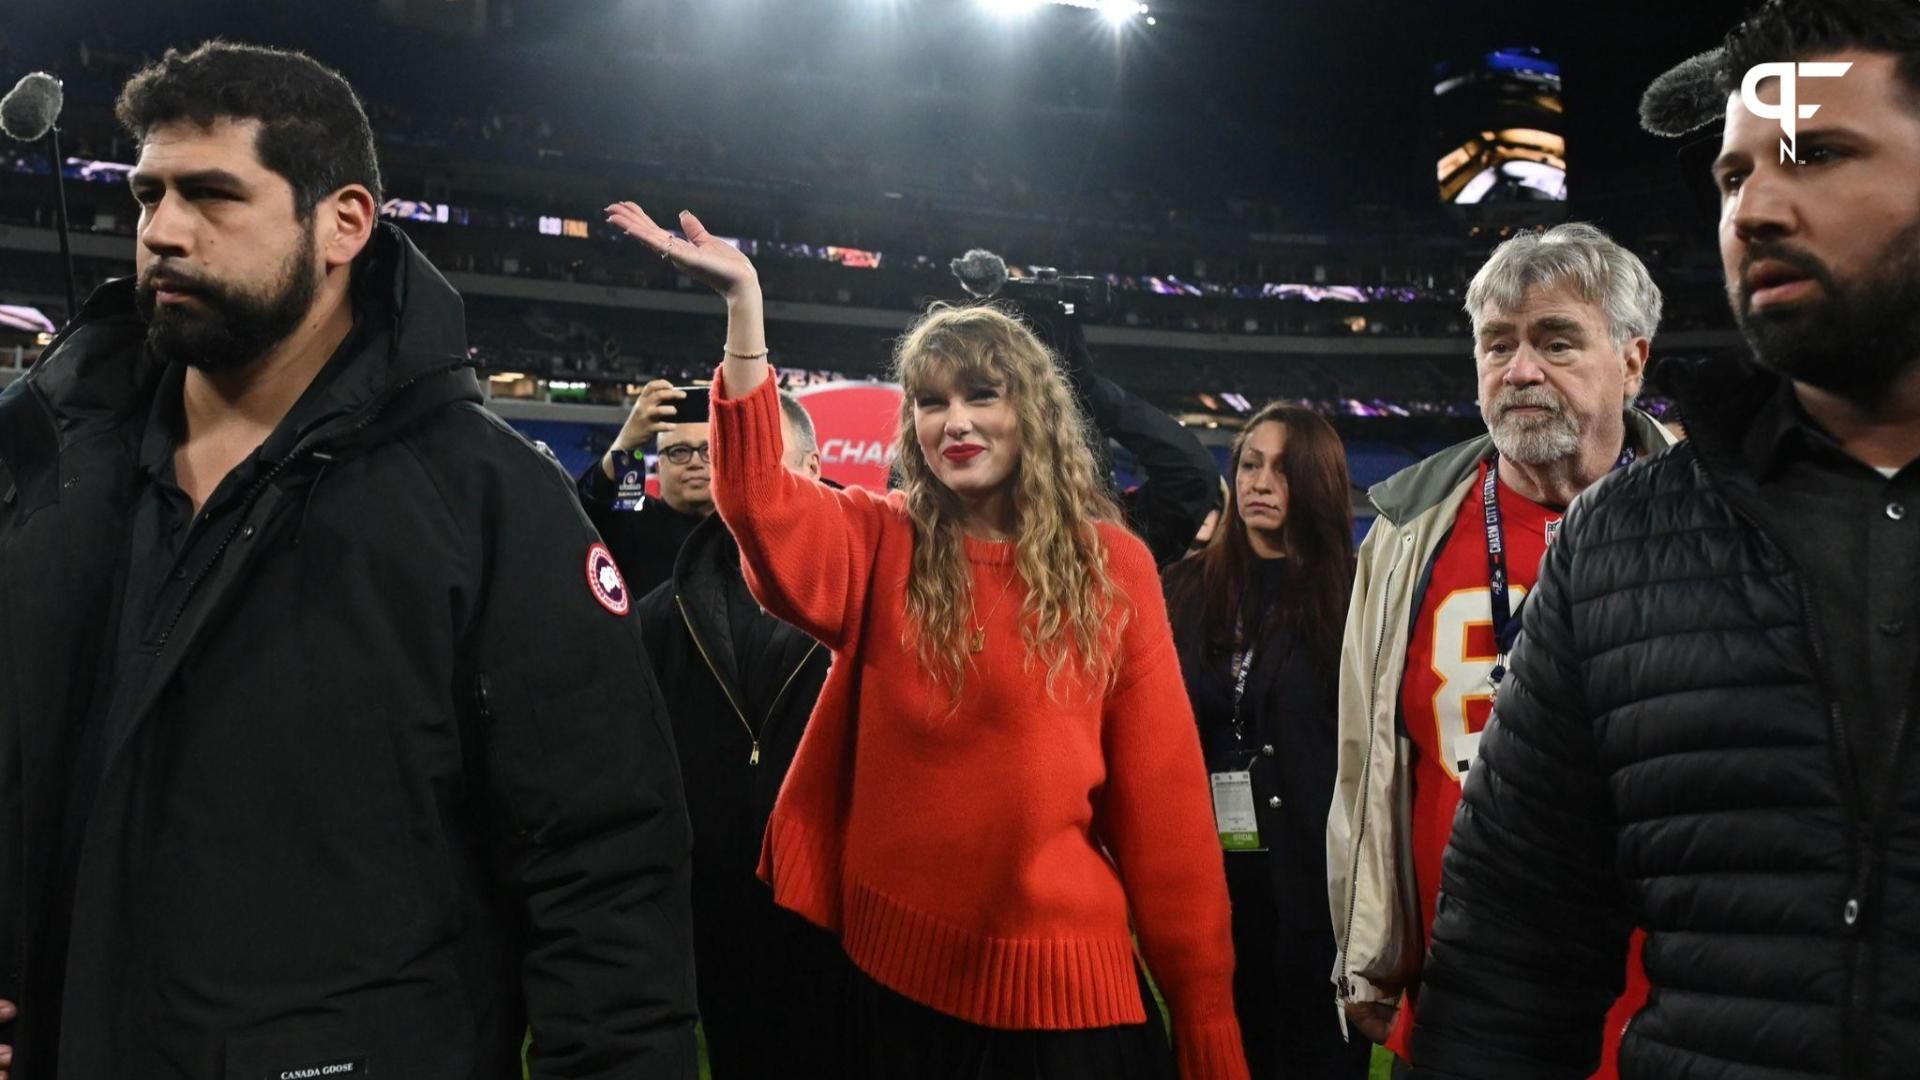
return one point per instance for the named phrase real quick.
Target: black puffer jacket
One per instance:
(1667, 753)
(367, 809)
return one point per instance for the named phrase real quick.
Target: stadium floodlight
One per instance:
(1120, 12)
(1011, 8)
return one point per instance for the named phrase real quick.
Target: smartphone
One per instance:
(692, 409)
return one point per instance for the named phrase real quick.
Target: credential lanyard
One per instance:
(1242, 664)
(1506, 622)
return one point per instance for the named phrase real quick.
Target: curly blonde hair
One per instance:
(1072, 610)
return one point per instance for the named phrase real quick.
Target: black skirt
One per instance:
(889, 1037)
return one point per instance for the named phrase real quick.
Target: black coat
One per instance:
(1282, 931)
(1666, 752)
(769, 980)
(367, 809)
(1289, 716)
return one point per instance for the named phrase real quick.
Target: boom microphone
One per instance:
(29, 110)
(28, 113)
(1688, 96)
(982, 273)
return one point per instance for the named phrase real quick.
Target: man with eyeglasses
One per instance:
(645, 534)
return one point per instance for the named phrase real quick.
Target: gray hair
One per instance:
(801, 420)
(1600, 272)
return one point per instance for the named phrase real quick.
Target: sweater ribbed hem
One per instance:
(1210, 1050)
(1018, 984)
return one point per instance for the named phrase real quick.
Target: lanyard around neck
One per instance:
(1506, 622)
(1242, 664)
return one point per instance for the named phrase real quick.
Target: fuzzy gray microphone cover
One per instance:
(1687, 97)
(31, 107)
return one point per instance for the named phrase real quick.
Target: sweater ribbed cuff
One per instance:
(803, 870)
(747, 442)
(1210, 1050)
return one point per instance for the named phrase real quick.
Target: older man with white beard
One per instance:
(1562, 324)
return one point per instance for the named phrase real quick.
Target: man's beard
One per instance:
(1857, 338)
(228, 328)
(1528, 439)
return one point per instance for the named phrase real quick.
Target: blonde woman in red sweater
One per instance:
(1001, 782)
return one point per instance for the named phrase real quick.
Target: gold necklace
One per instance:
(978, 642)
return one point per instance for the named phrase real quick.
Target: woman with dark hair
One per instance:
(1257, 617)
(996, 789)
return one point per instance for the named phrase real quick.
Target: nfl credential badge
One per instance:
(630, 473)
(603, 577)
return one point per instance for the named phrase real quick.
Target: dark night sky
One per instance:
(1347, 77)
(1321, 99)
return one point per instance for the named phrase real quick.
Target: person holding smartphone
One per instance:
(999, 784)
(645, 534)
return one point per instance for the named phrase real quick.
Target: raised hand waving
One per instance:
(703, 256)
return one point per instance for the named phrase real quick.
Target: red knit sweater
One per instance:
(983, 861)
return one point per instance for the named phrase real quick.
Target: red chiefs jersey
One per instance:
(1446, 697)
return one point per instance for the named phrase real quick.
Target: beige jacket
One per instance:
(1371, 884)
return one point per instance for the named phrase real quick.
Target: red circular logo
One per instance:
(603, 577)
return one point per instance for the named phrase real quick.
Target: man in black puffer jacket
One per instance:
(1707, 727)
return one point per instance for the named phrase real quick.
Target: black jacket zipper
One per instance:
(483, 710)
(753, 758)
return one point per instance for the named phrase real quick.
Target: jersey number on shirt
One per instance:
(1463, 657)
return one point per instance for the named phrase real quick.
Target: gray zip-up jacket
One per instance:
(1370, 880)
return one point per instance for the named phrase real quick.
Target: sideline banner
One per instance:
(854, 424)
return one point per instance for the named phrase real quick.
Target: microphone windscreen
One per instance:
(1687, 97)
(981, 272)
(31, 107)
